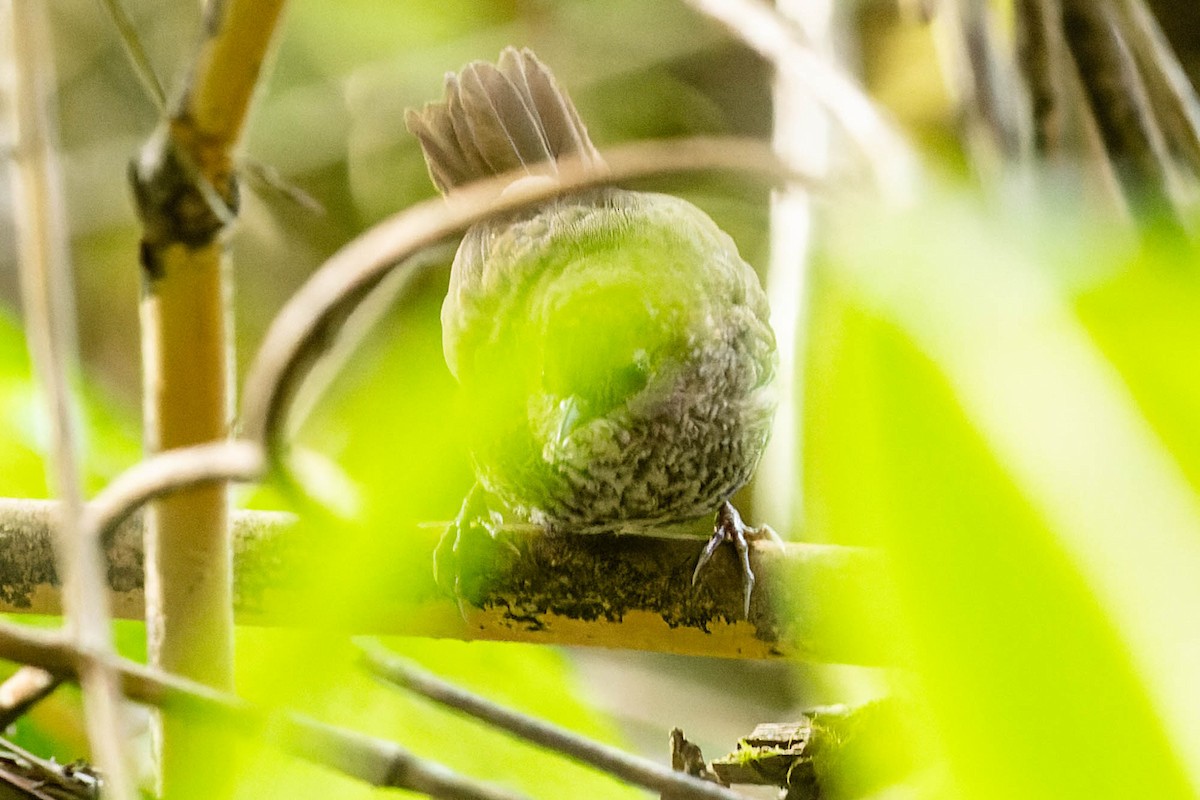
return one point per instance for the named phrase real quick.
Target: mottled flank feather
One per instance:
(497, 118)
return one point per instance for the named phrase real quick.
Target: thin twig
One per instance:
(1173, 94)
(301, 328)
(374, 761)
(359, 322)
(31, 777)
(1039, 57)
(138, 58)
(1065, 126)
(983, 83)
(892, 162)
(640, 771)
(267, 178)
(47, 298)
(1121, 107)
(171, 471)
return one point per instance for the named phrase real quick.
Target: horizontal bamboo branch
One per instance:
(631, 590)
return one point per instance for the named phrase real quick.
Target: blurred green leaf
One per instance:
(1043, 542)
(108, 432)
(1146, 319)
(22, 470)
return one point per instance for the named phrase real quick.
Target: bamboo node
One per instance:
(176, 201)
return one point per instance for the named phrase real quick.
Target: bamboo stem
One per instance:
(187, 197)
(188, 552)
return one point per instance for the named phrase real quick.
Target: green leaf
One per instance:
(1043, 541)
(108, 432)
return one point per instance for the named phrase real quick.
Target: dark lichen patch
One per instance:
(272, 555)
(27, 561)
(176, 203)
(602, 577)
(126, 562)
(528, 621)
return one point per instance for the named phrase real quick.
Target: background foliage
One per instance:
(1002, 394)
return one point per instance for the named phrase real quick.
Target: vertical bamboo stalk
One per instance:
(187, 196)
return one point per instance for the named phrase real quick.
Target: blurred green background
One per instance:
(1001, 395)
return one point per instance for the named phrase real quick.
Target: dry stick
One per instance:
(25, 775)
(173, 471)
(358, 323)
(1064, 123)
(1038, 56)
(760, 27)
(983, 83)
(136, 54)
(303, 326)
(47, 298)
(374, 761)
(640, 771)
(185, 187)
(1172, 93)
(1121, 107)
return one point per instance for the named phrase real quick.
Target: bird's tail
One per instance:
(499, 117)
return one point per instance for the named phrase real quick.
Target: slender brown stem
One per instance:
(1121, 106)
(886, 152)
(48, 301)
(138, 58)
(375, 761)
(1174, 98)
(633, 769)
(1038, 58)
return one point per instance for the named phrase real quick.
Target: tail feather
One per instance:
(499, 117)
(506, 130)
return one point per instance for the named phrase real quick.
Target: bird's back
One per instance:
(613, 349)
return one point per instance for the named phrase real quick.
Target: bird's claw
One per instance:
(447, 566)
(729, 527)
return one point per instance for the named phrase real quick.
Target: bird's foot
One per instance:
(729, 527)
(475, 515)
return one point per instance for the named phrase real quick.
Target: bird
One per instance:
(613, 351)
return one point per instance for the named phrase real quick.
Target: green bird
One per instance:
(613, 350)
